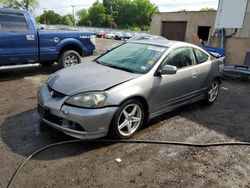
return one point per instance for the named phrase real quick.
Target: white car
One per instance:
(110, 35)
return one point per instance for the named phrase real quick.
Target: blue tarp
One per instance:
(210, 49)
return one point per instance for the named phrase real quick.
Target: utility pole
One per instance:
(111, 12)
(45, 19)
(73, 14)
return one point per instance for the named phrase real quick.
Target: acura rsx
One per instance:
(119, 91)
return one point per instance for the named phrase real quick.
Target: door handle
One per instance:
(30, 37)
(194, 75)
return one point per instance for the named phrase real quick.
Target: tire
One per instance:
(69, 58)
(47, 63)
(212, 92)
(127, 120)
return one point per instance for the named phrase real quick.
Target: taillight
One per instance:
(93, 39)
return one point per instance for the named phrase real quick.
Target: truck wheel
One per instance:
(46, 63)
(69, 58)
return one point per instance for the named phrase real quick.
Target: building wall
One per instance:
(193, 19)
(236, 49)
(236, 46)
(245, 31)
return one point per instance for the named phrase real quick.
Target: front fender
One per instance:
(138, 87)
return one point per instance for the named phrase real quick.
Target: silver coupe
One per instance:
(119, 91)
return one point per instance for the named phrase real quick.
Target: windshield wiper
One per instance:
(121, 68)
(97, 61)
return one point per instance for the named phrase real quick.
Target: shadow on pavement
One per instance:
(229, 115)
(24, 133)
(17, 72)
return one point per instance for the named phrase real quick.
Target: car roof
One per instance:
(168, 43)
(162, 42)
(12, 10)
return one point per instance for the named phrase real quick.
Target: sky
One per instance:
(64, 6)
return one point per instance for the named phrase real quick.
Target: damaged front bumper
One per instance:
(74, 121)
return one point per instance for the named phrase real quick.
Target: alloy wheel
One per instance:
(213, 91)
(129, 119)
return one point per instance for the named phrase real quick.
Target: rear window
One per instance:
(200, 56)
(12, 22)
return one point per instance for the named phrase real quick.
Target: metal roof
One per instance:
(11, 10)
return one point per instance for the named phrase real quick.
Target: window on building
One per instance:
(12, 22)
(203, 32)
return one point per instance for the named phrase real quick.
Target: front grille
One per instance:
(59, 121)
(52, 118)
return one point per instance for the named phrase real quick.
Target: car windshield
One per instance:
(132, 57)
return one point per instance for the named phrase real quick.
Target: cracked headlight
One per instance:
(88, 100)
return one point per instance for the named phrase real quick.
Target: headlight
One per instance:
(88, 100)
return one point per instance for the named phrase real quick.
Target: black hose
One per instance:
(124, 142)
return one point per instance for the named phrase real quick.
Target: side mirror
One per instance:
(168, 69)
(42, 27)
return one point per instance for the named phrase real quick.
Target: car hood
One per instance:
(86, 77)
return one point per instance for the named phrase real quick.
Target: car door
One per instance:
(203, 68)
(18, 41)
(176, 89)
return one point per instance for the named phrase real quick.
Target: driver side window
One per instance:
(13, 22)
(181, 57)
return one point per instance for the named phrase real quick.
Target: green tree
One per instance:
(144, 10)
(207, 9)
(121, 13)
(68, 20)
(110, 6)
(38, 19)
(29, 5)
(50, 17)
(97, 14)
(133, 13)
(83, 16)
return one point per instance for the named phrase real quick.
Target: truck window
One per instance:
(12, 22)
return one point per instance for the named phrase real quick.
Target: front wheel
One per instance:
(69, 58)
(212, 92)
(127, 120)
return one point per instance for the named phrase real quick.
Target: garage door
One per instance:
(174, 30)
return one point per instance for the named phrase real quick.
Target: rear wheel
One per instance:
(127, 120)
(212, 92)
(69, 58)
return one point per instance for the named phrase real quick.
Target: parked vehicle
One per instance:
(21, 42)
(138, 37)
(123, 36)
(101, 34)
(126, 36)
(118, 35)
(120, 90)
(143, 36)
(110, 35)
